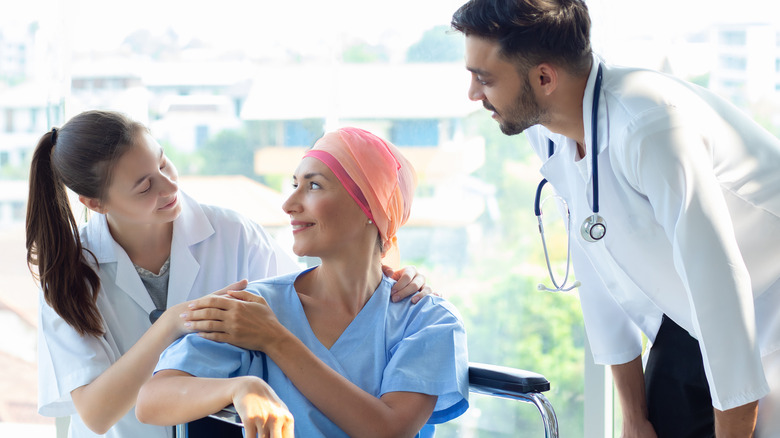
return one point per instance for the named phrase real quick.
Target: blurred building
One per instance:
(747, 61)
(110, 82)
(16, 51)
(193, 100)
(414, 106)
(25, 112)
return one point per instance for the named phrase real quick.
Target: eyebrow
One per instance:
(143, 178)
(478, 71)
(311, 175)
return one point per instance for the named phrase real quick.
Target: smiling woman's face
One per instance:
(324, 217)
(143, 187)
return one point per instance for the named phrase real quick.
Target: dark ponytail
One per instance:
(79, 156)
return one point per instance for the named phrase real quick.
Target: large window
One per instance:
(733, 38)
(738, 63)
(268, 80)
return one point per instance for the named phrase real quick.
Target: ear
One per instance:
(92, 204)
(544, 77)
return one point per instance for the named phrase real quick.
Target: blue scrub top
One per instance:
(388, 347)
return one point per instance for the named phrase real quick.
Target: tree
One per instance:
(508, 321)
(230, 152)
(187, 163)
(364, 53)
(143, 42)
(515, 189)
(437, 45)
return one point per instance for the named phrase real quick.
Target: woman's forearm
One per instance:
(355, 411)
(104, 401)
(172, 397)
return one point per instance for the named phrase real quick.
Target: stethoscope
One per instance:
(594, 227)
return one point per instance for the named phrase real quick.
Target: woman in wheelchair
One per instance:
(337, 358)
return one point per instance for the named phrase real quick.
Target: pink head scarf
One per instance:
(376, 175)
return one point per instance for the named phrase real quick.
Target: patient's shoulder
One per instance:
(431, 310)
(272, 287)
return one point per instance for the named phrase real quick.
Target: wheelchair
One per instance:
(491, 380)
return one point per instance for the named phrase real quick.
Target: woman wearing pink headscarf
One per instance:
(339, 358)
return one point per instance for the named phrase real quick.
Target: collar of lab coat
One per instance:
(191, 227)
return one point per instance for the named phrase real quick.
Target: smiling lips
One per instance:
(300, 225)
(171, 204)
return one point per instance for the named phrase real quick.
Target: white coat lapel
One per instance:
(128, 280)
(555, 169)
(190, 228)
(106, 250)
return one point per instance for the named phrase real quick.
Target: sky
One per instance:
(262, 24)
(103, 24)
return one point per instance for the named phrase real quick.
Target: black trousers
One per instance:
(678, 395)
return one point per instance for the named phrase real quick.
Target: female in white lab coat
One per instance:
(105, 287)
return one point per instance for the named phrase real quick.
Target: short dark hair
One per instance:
(531, 32)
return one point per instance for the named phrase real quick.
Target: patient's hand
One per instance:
(262, 411)
(408, 282)
(239, 318)
(176, 317)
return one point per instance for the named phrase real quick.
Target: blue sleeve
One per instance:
(432, 359)
(204, 358)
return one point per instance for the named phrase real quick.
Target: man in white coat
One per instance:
(689, 189)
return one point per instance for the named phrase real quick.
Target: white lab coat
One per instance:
(690, 191)
(211, 248)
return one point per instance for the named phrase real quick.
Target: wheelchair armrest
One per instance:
(492, 378)
(228, 415)
(483, 378)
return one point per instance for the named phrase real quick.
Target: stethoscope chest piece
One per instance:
(155, 315)
(593, 228)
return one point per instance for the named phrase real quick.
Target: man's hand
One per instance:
(630, 384)
(638, 429)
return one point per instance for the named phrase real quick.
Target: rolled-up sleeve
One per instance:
(66, 361)
(204, 358)
(432, 359)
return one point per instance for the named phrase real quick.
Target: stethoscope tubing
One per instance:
(594, 124)
(594, 218)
